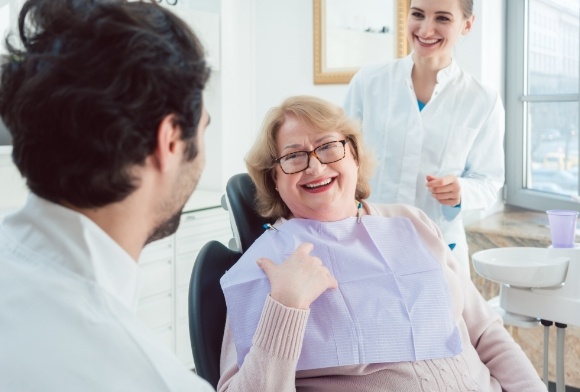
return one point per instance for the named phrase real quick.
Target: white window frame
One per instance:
(517, 99)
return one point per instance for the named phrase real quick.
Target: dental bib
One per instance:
(392, 303)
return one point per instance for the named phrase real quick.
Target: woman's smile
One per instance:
(318, 186)
(427, 42)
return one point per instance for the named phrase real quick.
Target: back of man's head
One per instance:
(84, 97)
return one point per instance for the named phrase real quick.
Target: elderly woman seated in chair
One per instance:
(344, 295)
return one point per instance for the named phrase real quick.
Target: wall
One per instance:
(285, 54)
(236, 91)
(482, 51)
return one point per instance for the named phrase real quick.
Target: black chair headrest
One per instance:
(241, 193)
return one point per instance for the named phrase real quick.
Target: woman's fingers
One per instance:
(300, 279)
(446, 190)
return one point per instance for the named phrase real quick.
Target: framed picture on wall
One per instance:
(349, 34)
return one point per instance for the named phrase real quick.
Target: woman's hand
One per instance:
(447, 190)
(298, 280)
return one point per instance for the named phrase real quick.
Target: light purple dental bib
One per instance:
(392, 303)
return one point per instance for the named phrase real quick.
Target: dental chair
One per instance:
(207, 305)
(207, 308)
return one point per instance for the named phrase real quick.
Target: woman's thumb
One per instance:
(265, 264)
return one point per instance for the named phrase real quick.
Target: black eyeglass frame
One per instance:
(313, 152)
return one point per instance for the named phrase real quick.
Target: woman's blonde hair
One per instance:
(321, 115)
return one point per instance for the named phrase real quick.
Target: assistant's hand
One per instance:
(298, 280)
(447, 190)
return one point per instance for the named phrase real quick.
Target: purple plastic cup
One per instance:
(562, 227)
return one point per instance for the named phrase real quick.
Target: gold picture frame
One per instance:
(335, 64)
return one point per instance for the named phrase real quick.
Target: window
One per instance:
(542, 104)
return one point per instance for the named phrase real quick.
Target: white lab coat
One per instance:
(68, 295)
(460, 131)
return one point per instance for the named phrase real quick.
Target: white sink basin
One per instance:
(521, 267)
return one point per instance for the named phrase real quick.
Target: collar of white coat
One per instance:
(51, 233)
(443, 76)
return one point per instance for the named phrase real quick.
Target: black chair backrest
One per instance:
(240, 193)
(207, 308)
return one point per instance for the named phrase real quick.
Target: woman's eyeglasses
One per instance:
(298, 161)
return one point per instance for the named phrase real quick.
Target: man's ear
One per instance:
(168, 138)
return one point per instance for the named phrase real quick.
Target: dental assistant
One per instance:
(436, 131)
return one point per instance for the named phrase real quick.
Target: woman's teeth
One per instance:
(318, 184)
(427, 41)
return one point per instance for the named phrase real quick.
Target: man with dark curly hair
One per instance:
(104, 103)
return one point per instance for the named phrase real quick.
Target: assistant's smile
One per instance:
(427, 41)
